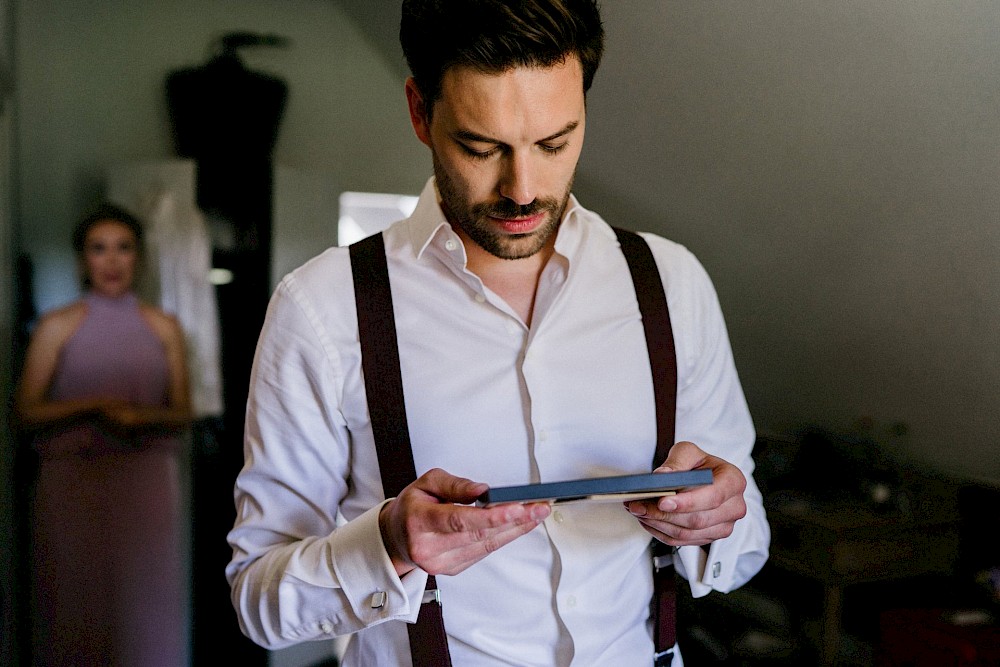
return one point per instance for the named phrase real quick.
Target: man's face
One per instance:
(505, 149)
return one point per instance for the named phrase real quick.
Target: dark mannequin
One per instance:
(226, 118)
(224, 109)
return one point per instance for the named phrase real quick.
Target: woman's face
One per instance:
(110, 258)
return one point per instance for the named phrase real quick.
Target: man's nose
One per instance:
(518, 182)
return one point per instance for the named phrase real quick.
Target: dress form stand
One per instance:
(226, 117)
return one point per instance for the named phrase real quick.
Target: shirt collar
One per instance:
(427, 220)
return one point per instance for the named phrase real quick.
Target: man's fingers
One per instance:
(686, 528)
(450, 488)
(448, 538)
(470, 547)
(433, 525)
(458, 524)
(683, 455)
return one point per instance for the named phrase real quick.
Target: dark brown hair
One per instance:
(493, 36)
(101, 213)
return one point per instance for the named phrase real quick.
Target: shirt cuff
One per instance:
(367, 577)
(729, 563)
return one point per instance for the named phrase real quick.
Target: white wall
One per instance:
(836, 166)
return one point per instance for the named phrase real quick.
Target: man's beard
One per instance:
(475, 219)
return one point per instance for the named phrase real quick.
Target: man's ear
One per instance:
(418, 112)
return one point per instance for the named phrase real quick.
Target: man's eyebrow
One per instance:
(572, 125)
(475, 137)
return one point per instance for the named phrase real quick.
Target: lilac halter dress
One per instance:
(108, 566)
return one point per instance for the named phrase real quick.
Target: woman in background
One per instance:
(104, 396)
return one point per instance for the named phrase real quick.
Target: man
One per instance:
(523, 360)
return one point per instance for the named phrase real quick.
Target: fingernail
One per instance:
(667, 505)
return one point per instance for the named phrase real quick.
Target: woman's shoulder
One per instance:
(56, 326)
(61, 322)
(166, 325)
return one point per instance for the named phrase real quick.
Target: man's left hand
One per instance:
(697, 516)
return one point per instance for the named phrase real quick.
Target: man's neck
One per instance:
(513, 280)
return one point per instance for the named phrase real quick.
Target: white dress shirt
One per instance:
(493, 400)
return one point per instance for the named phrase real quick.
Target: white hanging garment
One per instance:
(179, 259)
(184, 259)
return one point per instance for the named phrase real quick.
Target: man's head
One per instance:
(492, 36)
(498, 94)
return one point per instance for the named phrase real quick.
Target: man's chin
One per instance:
(519, 246)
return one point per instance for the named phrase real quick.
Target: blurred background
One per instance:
(834, 165)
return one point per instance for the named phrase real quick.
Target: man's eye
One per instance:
(479, 155)
(552, 150)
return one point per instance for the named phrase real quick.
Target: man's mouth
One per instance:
(520, 225)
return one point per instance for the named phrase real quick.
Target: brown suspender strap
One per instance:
(659, 336)
(384, 389)
(663, 363)
(387, 410)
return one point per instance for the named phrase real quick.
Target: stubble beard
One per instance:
(475, 220)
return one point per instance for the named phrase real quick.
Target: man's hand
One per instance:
(698, 516)
(430, 525)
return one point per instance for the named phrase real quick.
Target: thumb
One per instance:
(684, 455)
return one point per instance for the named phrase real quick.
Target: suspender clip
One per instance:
(663, 559)
(663, 658)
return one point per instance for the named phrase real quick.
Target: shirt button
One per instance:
(450, 245)
(480, 298)
(558, 517)
(571, 601)
(326, 627)
(543, 435)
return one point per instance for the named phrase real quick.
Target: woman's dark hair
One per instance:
(493, 36)
(102, 212)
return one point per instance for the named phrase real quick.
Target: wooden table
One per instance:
(840, 543)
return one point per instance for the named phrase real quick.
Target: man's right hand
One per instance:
(431, 524)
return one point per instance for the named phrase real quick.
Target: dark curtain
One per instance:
(226, 117)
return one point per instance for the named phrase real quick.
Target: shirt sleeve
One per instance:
(299, 571)
(712, 412)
